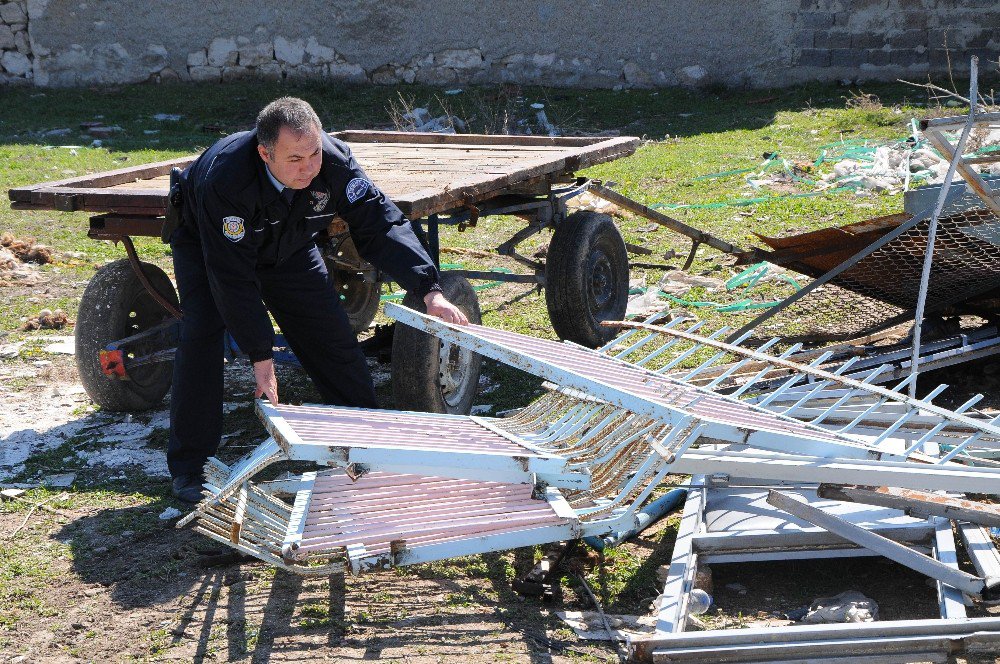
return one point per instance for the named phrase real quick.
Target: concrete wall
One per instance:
(594, 43)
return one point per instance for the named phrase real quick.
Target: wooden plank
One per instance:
(423, 173)
(423, 138)
(104, 179)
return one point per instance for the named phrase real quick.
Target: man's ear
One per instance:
(262, 151)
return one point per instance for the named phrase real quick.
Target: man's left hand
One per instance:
(439, 307)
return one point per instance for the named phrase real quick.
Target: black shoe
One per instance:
(187, 488)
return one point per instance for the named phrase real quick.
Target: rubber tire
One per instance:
(113, 293)
(416, 358)
(586, 278)
(361, 303)
(362, 298)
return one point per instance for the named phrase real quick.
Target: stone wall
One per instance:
(592, 43)
(885, 39)
(15, 46)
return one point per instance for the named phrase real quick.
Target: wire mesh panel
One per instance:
(880, 289)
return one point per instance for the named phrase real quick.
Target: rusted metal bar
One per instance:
(915, 503)
(114, 226)
(133, 259)
(696, 235)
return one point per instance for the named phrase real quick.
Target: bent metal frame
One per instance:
(589, 454)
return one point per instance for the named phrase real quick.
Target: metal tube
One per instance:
(925, 274)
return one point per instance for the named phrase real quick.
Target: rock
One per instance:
(155, 58)
(255, 55)
(455, 58)
(270, 71)
(6, 37)
(16, 64)
(693, 75)
(235, 73)
(288, 52)
(635, 76)
(543, 59)
(305, 72)
(319, 54)
(168, 75)
(12, 12)
(386, 75)
(205, 74)
(197, 58)
(345, 71)
(222, 52)
(738, 588)
(21, 43)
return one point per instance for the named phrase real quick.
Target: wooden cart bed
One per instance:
(422, 173)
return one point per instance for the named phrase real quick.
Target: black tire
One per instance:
(429, 375)
(586, 278)
(359, 298)
(114, 306)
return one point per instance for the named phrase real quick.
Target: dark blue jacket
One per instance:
(243, 223)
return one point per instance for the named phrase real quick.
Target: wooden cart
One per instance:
(126, 326)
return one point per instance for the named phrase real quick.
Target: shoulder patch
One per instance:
(356, 188)
(233, 228)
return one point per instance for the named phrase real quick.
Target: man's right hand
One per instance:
(267, 383)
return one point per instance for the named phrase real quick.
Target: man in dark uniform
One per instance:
(252, 206)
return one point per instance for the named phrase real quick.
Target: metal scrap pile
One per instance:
(792, 453)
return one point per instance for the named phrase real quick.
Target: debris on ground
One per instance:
(589, 625)
(104, 131)
(678, 282)
(850, 606)
(60, 481)
(419, 119)
(47, 320)
(588, 201)
(26, 251)
(10, 351)
(169, 513)
(61, 345)
(644, 303)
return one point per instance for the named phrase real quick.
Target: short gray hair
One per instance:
(291, 112)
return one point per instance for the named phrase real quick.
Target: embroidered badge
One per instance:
(319, 200)
(232, 228)
(356, 188)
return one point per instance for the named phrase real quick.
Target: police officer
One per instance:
(252, 206)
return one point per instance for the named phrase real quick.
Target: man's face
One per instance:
(296, 159)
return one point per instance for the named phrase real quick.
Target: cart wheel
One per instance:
(586, 278)
(114, 306)
(359, 298)
(429, 375)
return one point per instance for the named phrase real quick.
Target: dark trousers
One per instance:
(300, 296)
